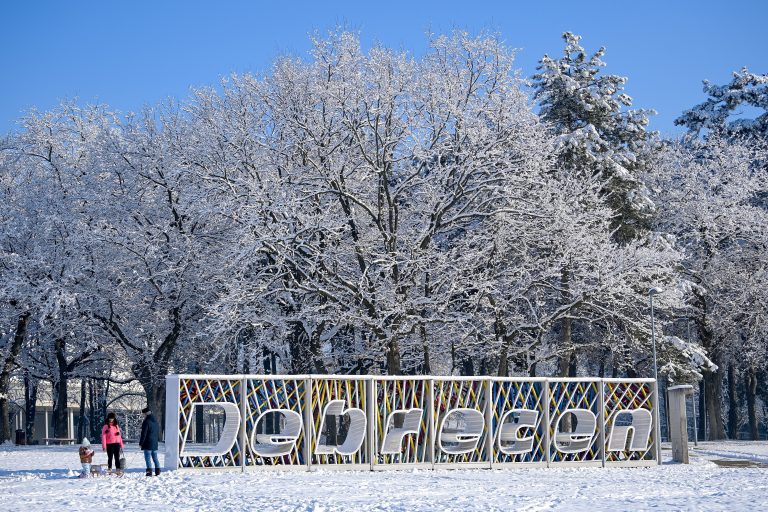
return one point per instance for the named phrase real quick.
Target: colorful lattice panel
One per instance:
(519, 421)
(275, 416)
(222, 394)
(339, 421)
(459, 422)
(630, 435)
(575, 421)
(401, 429)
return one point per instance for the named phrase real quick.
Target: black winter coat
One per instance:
(150, 432)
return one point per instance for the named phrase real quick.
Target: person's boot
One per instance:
(157, 471)
(149, 472)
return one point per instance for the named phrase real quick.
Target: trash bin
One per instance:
(21, 436)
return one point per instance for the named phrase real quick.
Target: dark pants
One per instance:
(113, 450)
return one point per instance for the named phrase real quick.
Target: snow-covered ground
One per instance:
(733, 450)
(38, 479)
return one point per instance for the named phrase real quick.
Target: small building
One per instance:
(126, 404)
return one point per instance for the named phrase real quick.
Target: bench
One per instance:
(58, 440)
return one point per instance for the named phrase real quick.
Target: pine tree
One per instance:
(599, 141)
(716, 113)
(598, 137)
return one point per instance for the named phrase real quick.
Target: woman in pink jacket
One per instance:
(112, 441)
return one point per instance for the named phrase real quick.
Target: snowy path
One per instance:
(699, 486)
(737, 450)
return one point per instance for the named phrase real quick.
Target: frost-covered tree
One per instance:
(409, 212)
(148, 287)
(598, 136)
(377, 167)
(706, 194)
(738, 108)
(33, 241)
(601, 142)
(607, 285)
(738, 111)
(356, 211)
(44, 237)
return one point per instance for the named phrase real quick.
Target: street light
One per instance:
(651, 293)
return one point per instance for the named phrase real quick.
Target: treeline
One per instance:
(376, 212)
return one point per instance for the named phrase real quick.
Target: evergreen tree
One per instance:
(598, 137)
(599, 141)
(717, 113)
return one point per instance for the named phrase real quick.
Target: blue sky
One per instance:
(131, 53)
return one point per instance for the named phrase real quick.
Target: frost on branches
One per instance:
(707, 192)
(718, 113)
(598, 136)
(367, 211)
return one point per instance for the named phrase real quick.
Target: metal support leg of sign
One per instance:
(656, 422)
(307, 416)
(601, 422)
(172, 391)
(371, 402)
(431, 422)
(547, 439)
(489, 438)
(243, 423)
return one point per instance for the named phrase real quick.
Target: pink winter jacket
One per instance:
(110, 435)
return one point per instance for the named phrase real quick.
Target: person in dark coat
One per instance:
(150, 431)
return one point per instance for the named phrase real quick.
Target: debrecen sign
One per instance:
(379, 422)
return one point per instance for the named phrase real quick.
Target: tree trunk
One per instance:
(91, 409)
(702, 411)
(505, 340)
(564, 361)
(81, 413)
(467, 367)
(98, 391)
(154, 391)
(751, 391)
(713, 381)
(713, 386)
(733, 404)
(299, 349)
(601, 366)
(503, 362)
(30, 406)
(426, 367)
(9, 364)
(573, 365)
(393, 357)
(566, 351)
(318, 363)
(60, 423)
